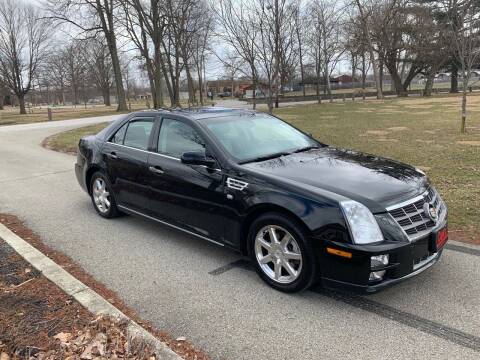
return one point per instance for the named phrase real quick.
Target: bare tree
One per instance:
(465, 37)
(100, 17)
(23, 46)
(238, 30)
(201, 47)
(146, 23)
(99, 64)
(364, 20)
(57, 70)
(300, 25)
(326, 21)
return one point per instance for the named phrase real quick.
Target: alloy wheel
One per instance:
(278, 254)
(101, 196)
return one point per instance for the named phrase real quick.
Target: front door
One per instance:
(186, 195)
(126, 157)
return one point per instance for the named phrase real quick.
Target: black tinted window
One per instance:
(138, 133)
(119, 135)
(176, 137)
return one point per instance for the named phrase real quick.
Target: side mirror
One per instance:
(197, 158)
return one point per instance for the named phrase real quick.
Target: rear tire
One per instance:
(282, 253)
(102, 196)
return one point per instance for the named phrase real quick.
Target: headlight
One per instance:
(362, 223)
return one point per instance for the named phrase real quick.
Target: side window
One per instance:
(138, 134)
(119, 135)
(176, 137)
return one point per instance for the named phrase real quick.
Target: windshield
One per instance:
(256, 137)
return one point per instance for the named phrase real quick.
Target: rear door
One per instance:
(126, 155)
(190, 196)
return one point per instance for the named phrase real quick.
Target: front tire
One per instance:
(102, 196)
(282, 253)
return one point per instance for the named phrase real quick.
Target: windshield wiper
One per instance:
(306, 148)
(266, 157)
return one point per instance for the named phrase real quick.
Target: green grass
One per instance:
(419, 131)
(67, 141)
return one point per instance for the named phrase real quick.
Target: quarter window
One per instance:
(138, 134)
(176, 137)
(119, 135)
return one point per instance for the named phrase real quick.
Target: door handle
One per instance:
(156, 169)
(112, 155)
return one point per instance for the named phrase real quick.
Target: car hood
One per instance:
(374, 181)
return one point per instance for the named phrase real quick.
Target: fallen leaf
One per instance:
(181, 338)
(4, 356)
(63, 337)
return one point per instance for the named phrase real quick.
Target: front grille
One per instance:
(411, 217)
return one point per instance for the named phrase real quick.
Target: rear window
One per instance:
(138, 134)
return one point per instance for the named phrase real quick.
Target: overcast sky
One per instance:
(214, 69)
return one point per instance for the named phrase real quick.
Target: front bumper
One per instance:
(406, 259)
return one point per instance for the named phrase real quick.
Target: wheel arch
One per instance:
(88, 176)
(261, 209)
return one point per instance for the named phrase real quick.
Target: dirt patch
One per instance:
(398, 128)
(328, 117)
(424, 168)
(419, 106)
(377, 132)
(387, 140)
(180, 346)
(425, 141)
(389, 112)
(469, 142)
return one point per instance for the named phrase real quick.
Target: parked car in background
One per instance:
(302, 210)
(224, 94)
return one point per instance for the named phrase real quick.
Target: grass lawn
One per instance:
(67, 141)
(420, 131)
(11, 116)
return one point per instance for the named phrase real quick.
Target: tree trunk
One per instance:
(106, 17)
(454, 80)
(463, 128)
(319, 96)
(159, 103)
(429, 84)
(300, 55)
(380, 73)
(21, 101)
(106, 96)
(254, 97)
(366, 32)
(354, 65)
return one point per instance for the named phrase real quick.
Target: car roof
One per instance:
(197, 113)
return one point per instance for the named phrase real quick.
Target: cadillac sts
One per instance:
(303, 211)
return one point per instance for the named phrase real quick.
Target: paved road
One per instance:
(195, 289)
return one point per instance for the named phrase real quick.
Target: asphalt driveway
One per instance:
(208, 294)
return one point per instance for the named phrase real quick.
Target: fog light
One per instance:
(375, 262)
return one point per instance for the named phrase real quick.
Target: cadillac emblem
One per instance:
(430, 211)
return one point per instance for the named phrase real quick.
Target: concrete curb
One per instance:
(88, 298)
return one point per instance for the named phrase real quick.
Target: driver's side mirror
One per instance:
(197, 158)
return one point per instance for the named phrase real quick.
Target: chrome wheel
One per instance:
(101, 197)
(278, 254)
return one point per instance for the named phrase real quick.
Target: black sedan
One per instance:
(303, 211)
